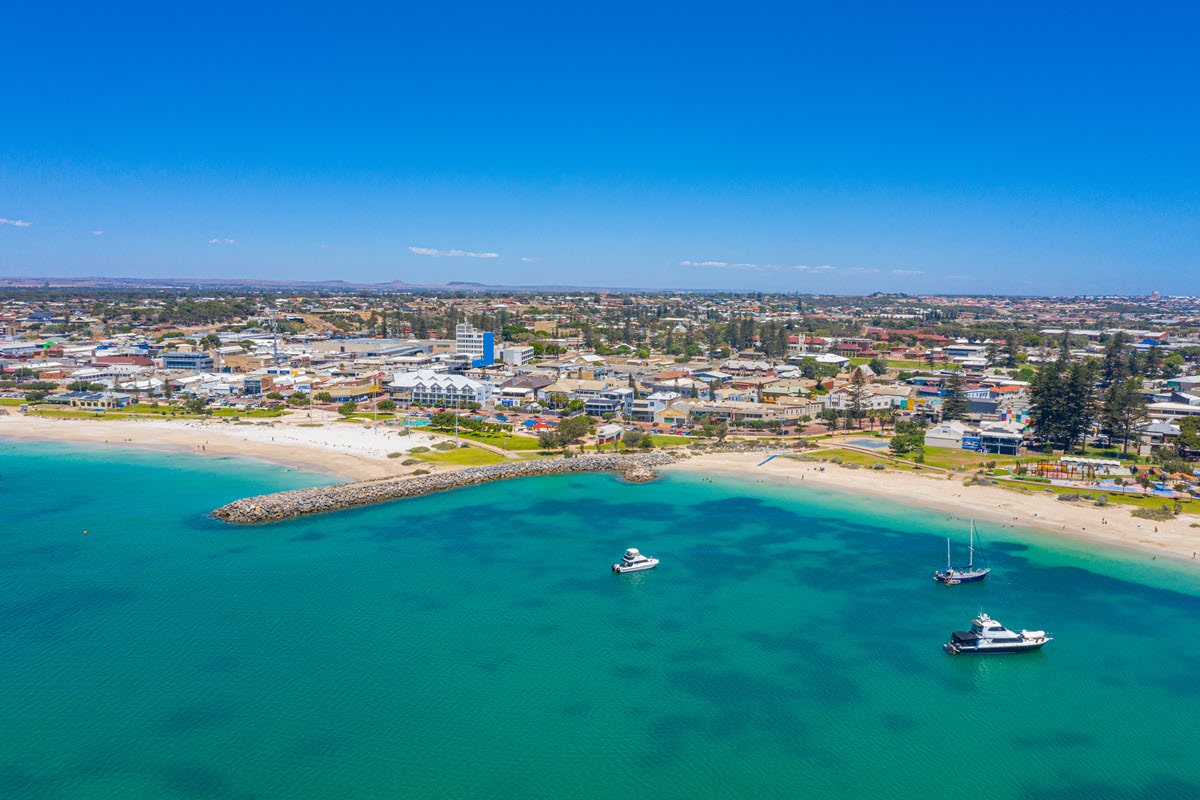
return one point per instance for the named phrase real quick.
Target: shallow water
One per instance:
(475, 644)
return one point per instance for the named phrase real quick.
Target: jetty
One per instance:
(323, 499)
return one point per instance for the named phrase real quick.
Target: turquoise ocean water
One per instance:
(475, 644)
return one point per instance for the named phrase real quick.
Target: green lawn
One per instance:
(62, 413)
(505, 442)
(864, 459)
(253, 412)
(461, 456)
(12, 401)
(896, 363)
(1115, 498)
(667, 440)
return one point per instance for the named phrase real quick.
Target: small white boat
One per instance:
(633, 561)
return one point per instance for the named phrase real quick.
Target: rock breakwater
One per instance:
(323, 499)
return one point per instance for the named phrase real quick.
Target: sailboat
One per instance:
(969, 574)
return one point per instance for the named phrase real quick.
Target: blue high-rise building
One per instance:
(479, 346)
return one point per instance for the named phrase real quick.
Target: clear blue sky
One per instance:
(823, 147)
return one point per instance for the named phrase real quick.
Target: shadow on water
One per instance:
(17, 782)
(1054, 739)
(1159, 787)
(54, 615)
(187, 779)
(194, 717)
(322, 745)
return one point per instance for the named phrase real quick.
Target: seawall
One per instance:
(322, 499)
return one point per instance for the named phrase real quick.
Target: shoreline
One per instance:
(349, 453)
(345, 451)
(1110, 525)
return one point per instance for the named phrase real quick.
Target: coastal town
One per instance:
(1092, 399)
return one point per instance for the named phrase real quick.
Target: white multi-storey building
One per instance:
(431, 388)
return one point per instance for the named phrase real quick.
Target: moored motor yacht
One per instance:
(634, 561)
(989, 636)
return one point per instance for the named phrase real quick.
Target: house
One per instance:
(801, 387)
(573, 388)
(676, 415)
(95, 401)
(522, 390)
(610, 401)
(948, 435)
(1156, 434)
(608, 433)
(997, 438)
(645, 408)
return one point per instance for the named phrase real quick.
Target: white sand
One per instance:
(1112, 523)
(348, 449)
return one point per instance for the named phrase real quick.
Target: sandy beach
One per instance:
(344, 449)
(1111, 524)
(358, 452)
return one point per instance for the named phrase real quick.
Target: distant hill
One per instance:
(100, 282)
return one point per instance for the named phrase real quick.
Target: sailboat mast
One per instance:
(971, 547)
(947, 552)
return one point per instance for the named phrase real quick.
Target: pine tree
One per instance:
(1010, 352)
(858, 395)
(1046, 395)
(1116, 359)
(955, 404)
(1124, 409)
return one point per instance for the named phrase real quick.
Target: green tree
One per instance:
(954, 405)
(572, 429)
(1124, 409)
(909, 438)
(829, 418)
(196, 405)
(1189, 433)
(858, 392)
(1010, 352)
(549, 440)
(347, 408)
(386, 405)
(1116, 359)
(715, 429)
(323, 397)
(631, 439)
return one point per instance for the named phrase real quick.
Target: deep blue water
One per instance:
(475, 644)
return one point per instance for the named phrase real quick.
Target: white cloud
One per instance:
(430, 251)
(717, 264)
(96, 233)
(818, 268)
(222, 241)
(905, 273)
(16, 223)
(528, 260)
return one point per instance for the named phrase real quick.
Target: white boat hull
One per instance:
(638, 567)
